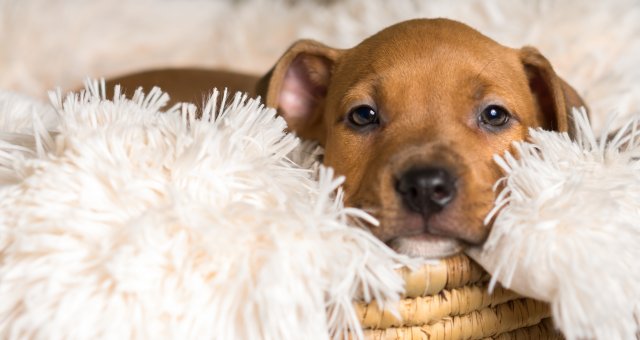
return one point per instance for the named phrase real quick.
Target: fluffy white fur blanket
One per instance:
(121, 221)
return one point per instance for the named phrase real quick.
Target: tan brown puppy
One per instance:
(412, 116)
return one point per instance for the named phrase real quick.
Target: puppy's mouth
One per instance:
(427, 245)
(421, 240)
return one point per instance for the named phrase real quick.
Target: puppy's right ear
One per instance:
(297, 86)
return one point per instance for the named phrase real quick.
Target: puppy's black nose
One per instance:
(426, 190)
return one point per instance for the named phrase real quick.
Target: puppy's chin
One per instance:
(427, 246)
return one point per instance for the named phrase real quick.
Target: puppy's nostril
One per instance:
(426, 190)
(413, 192)
(440, 192)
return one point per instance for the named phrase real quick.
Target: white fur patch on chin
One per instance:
(427, 246)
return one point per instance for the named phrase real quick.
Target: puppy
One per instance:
(412, 117)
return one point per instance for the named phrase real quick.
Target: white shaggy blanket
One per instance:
(121, 221)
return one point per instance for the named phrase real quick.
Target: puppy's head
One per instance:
(412, 116)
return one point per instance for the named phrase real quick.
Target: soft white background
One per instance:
(594, 45)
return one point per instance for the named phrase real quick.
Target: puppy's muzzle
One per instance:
(426, 190)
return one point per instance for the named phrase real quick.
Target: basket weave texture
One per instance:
(450, 300)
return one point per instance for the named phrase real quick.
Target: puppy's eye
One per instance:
(362, 116)
(494, 116)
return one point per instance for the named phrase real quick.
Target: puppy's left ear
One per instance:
(554, 97)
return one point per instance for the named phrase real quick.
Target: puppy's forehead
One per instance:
(427, 34)
(424, 42)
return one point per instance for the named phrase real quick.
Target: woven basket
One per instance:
(450, 300)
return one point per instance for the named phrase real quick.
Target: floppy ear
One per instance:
(297, 86)
(554, 97)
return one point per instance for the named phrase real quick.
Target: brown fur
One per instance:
(189, 85)
(428, 79)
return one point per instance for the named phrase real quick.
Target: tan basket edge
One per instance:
(453, 272)
(430, 309)
(479, 324)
